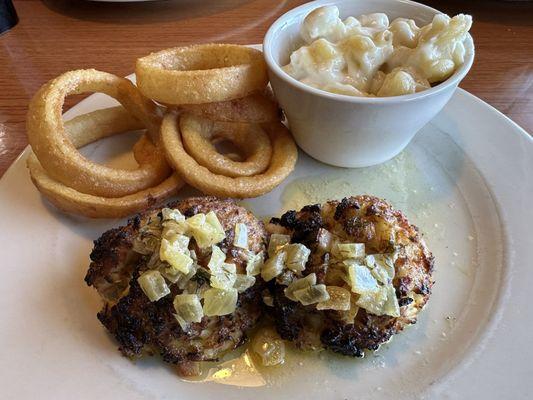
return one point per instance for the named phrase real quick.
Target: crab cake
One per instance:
(180, 281)
(346, 275)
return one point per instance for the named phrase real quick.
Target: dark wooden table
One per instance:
(58, 35)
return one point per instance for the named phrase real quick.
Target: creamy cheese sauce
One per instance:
(368, 56)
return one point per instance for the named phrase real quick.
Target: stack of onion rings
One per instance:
(103, 123)
(220, 91)
(212, 92)
(283, 160)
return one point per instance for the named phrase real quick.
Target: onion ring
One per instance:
(58, 155)
(284, 156)
(197, 135)
(201, 73)
(72, 201)
(88, 128)
(256, 108)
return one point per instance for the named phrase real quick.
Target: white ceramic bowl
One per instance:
(350, 131)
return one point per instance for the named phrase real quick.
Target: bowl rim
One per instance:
(274, 67)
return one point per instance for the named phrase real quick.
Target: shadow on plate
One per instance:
(143, 12)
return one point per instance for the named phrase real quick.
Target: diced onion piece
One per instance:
(179, 241)
(381, 275)
(286, 278)
(179, 262)
(219, 302)
(172, 227)
(273, 266)
(324, 240)
(359, 278)
(243, 282)
(349, 315)
(188, 309)
(217, 258)
(382, 302)
(201, 289)
(177, 277)
(268, 345)
(173, 220)
(206, 229)
(312, 294)
(339, 299)
(223, 276)
(172, 214)
(277, 240)
(174, 253)
(206, 236)
(241, 236)
(146, 243)
(387, 260)
(196, 221)
(373, 302)
(344, 251)
(149, 237)
(391, 306)
(383, 269)
(212, 219)
(183, 324)
(217, 231)
(153, 285)
(370, 261)
(302, 283)
(254, 263)
(297, 256)
(155, 262)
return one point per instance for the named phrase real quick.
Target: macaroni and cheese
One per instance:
(368, 56)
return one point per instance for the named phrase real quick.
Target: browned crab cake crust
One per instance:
(361, 219)
(144, 327)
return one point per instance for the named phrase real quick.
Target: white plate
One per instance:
(465, 181)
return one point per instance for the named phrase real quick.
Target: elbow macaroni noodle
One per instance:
(368, 56)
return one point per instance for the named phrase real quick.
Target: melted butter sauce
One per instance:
(241, 368)
(238, 370)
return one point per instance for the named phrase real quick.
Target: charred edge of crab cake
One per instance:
(113, 261)
(354, 218)
(142, 327)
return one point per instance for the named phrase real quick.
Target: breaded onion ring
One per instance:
(96, 125)
(256, 108)
(198, 133)
(71, 201)
(284, 156)
(204, 73)
(58, 155)
(106, 122)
